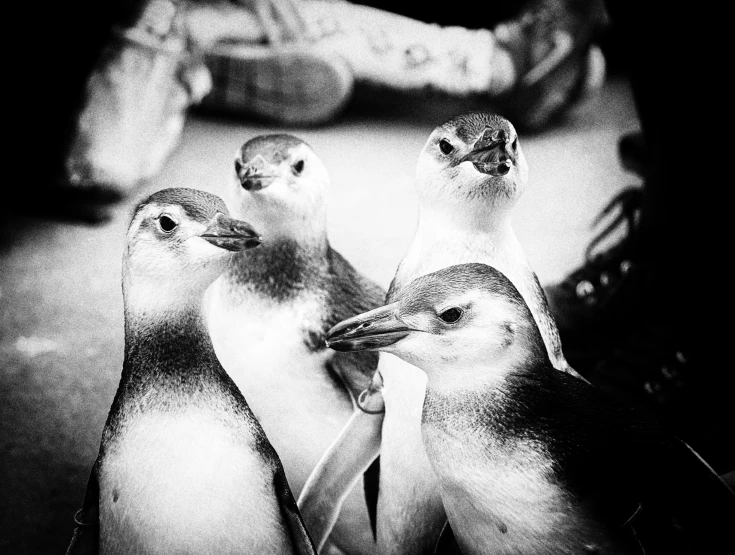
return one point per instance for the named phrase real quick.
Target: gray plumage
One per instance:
(284, 296)
(530, 459)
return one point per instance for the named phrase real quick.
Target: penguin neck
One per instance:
(465, 408)
(171, 344)
(280, 269)
(493, 376)
(285, 219)
(437, 219)
(165, 326)
(497, 406)
(446, 236)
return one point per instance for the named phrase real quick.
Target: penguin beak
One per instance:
(255, 174)
(493, 153)
(230, 234)
(370, 331)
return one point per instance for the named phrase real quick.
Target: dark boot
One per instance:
(647, 328)
(595, 303)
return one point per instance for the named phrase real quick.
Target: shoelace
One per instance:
(628, 202)
(600, 269)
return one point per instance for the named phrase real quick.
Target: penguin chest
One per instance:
(501, 497)
(187, 483)
(264, 348)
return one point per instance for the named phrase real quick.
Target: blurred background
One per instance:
(139, 96)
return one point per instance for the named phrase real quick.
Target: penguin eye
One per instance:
(298, 167)
(166, 223)
(445, 146)
(451, 315)
(514, 146)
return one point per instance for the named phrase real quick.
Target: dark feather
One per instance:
(300, 538)
(169, 364)
(283, 270)
(280, 270)
(199, 205)
(371, 487)
(471, 125)
(274, 148)
(649, 488)
(350, 294)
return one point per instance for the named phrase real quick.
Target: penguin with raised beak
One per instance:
(469, 176)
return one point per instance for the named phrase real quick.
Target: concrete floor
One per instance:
(61, 323)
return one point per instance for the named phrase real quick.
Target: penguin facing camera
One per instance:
(469, 176)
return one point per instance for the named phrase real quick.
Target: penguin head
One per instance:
(178, 242)
(461, 324)
(474, 156)
(280, 186)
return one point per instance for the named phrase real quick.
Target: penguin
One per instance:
(530, 459)
(469, 176)
(282, 298)
(183, 465)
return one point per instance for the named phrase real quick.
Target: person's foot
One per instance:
(288, 85)
(265, 68)
(555, 59)
(136, 101)
(621, 327)
(625, 329)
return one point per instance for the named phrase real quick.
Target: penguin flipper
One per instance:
(300, 538)
(353, 293)
(346, 460)
(550, 330)
(350, 294)
(85, 540)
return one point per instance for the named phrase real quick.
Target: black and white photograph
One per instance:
(359, 277)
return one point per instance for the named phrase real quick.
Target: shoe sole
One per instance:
(285, 86)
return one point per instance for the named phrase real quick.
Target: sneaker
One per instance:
(554, 55)
(592, 306)
(286, 85)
